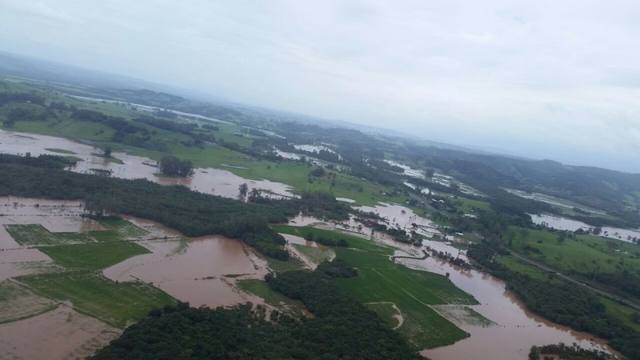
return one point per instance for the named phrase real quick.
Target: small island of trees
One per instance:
(172, 166)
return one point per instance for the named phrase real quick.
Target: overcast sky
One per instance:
(546, 79)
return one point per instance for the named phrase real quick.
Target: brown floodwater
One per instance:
(201, 271)
(205, 180)
(515, 329)
(54, 215)
(57, 334)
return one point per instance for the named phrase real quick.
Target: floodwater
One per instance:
(563, 223)
(314, 148)
(205, 180)
(552, 200)
(288, 155)
(149, 108)
(398, 216)
(53, 215)
(200, 271)
(407, 170)
(58, 334)
(515, 329)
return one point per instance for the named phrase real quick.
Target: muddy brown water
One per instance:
(53, 215)
(205, 180)
(200, 270)
(515, 329)
(58, 334)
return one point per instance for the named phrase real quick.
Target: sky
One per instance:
(542, 79)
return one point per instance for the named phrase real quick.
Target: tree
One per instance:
(429, 172)
(243, 189)
(317, 172)
(172, 166)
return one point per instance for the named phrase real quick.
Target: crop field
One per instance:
(381, 281)
(117, 304)
(82, 256)
(93, 256)
(38, 235)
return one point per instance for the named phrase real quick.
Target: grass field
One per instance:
(261, 289)
(92, 256)
(380, 280)
(117, 304)
(583, 255)
(621, 312)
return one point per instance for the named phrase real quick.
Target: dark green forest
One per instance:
(341, 328)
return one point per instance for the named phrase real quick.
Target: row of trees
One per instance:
(192, 213)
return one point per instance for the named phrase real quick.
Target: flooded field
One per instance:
(566, 224)
(200, 271)
(58, 334)
(53, 215)
(508, 320)
(516, 327)
(205, 180)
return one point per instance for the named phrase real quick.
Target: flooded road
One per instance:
(201, 271)
(205, 180)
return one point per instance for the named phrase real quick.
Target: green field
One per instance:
(619, 311)
(261, 289)
(379, 280)
(585, 254)
(38, 235)
(93, 256)
(117, 304)
(83, 255)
